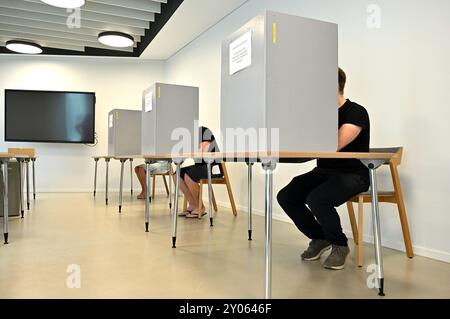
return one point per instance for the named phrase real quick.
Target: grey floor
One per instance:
(117, 259)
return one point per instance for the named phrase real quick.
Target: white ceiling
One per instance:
(46, 25)
(191, 19)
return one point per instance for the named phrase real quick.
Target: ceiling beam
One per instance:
(62, 21)
(143, 5)
(46, 38)
(24, 23)
(52, 33)
(114, 10)
(86, 15)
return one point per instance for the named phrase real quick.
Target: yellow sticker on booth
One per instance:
(117, 115)
(274, 33)
(159, 92)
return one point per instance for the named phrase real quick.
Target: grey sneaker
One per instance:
(315, 249)
(336, 260)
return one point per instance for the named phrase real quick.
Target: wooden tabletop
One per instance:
(381, 154)
(6, 155)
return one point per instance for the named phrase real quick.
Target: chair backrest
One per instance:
(396, 159)
(31, 152)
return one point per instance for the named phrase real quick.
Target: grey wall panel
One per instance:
(124, 137)
(302, 79)
(243, 93)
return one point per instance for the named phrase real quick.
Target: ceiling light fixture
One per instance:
(68, 4)
(116, 39)
(24, 47)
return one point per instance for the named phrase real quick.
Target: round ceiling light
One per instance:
(24, 47)
(68, 4)
(116, 39)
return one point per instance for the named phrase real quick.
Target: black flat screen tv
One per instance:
(49, 116)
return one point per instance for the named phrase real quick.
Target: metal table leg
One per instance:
(147, 195)
(33, 161)
(268, 168)
(373, 165)
(122, 164)
(107, 176)
(211, 215)
(170, 184)
(131, 175)
(22, 211)
(175, 208)
(250, 201)
(27, 162)
(95, 176)
(4, 164)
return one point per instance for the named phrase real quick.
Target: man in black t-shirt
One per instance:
(311, 199)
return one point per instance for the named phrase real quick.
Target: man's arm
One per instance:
(347, 134)
(204, 147)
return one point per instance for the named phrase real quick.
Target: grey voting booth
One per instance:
(281, 72)
(168, 108)
(124, 132)
(13, 190)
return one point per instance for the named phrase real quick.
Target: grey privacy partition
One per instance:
(281, 72)
(124, 132)
(14, 190)
(124, 139)
(169, 120)
(279, 78)
(167, 111)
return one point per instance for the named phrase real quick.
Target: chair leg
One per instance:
(165, 184)
(200, 198)
(214, 201)
(360, 248)
(402, 212)
(351, 214)
(230, 195)
(153, 187)
(185, 203)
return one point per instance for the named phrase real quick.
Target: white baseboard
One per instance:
(418, 250)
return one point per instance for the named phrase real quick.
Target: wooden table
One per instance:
(4, 159)
(372, 161)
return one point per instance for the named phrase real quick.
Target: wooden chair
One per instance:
(163, 176)
(394, 197)
(216, 181)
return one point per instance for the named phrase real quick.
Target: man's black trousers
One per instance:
(310, 200)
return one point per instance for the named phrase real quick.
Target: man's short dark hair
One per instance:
(342, 80)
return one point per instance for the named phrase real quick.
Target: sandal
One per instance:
(191, 215)
(185, 213)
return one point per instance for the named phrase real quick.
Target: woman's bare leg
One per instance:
(194, 188)
(184, 188)
(141, 175)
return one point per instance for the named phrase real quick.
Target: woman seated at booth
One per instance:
(190, 176)
(159, 167)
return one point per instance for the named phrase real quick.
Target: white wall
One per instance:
(118, 83)
(400, 72)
